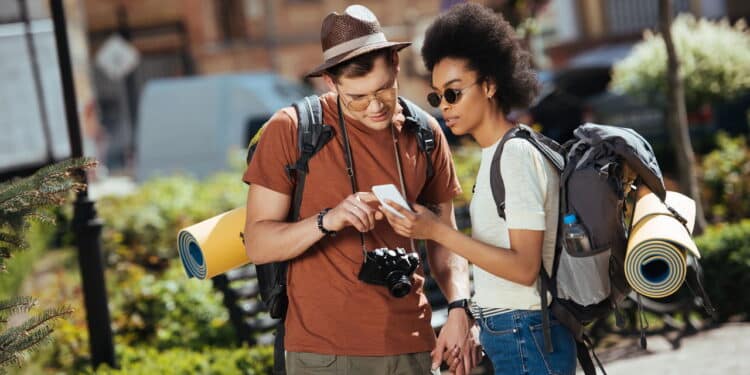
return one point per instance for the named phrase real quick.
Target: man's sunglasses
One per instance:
(451, 96)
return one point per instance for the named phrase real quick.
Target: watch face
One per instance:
(463, 303)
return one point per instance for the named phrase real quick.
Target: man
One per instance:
(337, 324)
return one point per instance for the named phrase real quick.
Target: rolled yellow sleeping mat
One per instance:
(213, 246)
(656, 256)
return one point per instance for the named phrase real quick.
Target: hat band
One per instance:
(353, 44)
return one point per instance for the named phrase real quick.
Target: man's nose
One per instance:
(376, 105)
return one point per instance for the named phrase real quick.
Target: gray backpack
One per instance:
(594, 187)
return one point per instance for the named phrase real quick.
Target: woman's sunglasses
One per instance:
(451, 96)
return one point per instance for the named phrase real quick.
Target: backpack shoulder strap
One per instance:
(312, 135)
(496, 179)
(549, 148)
(418, 121)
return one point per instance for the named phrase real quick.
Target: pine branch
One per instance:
(22, 199)
(29, 334)
(5, 252)
(8, 358)
(20, 202)
(12, 239)
(9, 336)
(31, 340)
(15, 222)
(25, 343)
(16, 305)
(50, 179)
(47, 316)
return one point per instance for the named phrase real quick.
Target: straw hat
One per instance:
(346, 36)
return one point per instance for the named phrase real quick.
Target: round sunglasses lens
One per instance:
(359, 104)
(451, 96)
(433, 99)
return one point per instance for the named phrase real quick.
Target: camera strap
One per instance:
(350, 168)
(394, 138)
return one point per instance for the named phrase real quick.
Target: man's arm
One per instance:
(268, 237)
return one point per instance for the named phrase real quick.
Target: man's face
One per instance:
(370, 99)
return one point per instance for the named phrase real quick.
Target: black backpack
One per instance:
(312, 136)
(594, 185)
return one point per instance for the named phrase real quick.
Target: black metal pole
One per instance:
(39, 90)
(86, 225)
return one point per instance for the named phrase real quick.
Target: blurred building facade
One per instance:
(569, 27)
(186, 37)
(176, 38)
(33, 127)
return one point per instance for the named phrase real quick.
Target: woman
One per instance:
(479, 72)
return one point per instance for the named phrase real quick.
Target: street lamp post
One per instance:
(86, 225)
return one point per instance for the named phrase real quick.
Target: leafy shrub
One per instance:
(726, 179)
(168, 310)
(725, 250)
(142, 228)
(179, 361)
(714, 56)
(466, 159)
(21, 264)
(161, 310)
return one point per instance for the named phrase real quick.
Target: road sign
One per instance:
(117, 58)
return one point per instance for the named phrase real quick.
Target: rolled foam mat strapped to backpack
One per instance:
(213, 246)
(656, 257)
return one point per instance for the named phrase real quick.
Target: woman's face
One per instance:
(452, 79)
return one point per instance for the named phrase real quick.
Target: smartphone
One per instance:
(389, 192)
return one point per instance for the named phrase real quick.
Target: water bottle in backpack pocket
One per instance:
(584, 278)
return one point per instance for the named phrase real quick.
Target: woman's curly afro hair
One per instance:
(488, 43)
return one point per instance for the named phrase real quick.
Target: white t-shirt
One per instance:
(531, 202)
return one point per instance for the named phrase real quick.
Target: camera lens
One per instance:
(398, 284)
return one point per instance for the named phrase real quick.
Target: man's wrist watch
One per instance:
(320, 223)
(460, 304)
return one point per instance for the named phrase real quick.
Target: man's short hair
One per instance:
(360, 65)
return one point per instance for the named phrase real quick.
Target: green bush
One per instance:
(178, 361)
(726, 180)
(725, 250)
(168, 310)
(21, 264)
(466, 159)
(714, 56)
(142, 228)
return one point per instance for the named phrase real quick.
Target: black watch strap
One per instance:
(320, 223)
(462, 304)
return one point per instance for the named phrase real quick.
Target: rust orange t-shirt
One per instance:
(330, 310)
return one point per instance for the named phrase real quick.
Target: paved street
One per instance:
(723, 350)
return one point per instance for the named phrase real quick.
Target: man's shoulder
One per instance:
(431, 120)
(282, 122)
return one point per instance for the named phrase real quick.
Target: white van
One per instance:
(190, 124)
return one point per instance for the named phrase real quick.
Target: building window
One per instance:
(231, 19)
(631, 17)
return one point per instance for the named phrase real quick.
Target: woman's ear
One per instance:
(490, 88)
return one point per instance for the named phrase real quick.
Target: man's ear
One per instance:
(394, 59)
(329, 82)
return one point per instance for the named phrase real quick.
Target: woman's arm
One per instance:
(520, 263)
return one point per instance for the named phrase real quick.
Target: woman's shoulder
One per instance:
(519, 150)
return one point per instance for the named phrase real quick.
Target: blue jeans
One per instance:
(514, 342)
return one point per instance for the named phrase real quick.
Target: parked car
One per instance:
(190, 124)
